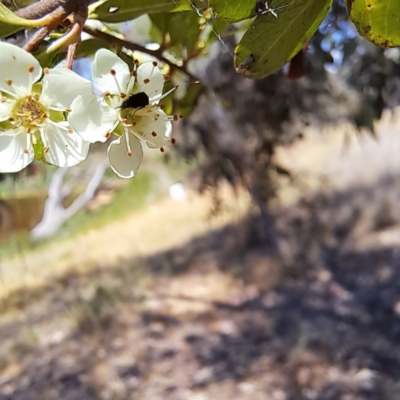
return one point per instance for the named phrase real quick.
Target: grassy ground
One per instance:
(166, 303)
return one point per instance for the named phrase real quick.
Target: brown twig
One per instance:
(119, 43)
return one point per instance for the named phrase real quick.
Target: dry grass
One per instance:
(156, 228)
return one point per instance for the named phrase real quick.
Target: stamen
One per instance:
(113, 73)
(160, 97)
(107, 135)
(162, 149)
(31, 68)
(155, 63)
(127, 143)
(154, 134)
(132, 78)
(173, 140)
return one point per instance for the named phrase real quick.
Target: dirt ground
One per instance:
(208, 309)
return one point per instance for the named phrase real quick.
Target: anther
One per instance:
(106, 94)
(68, 110)
(175, 118)
(11, 120)
(46, 149)
(8, 82)
(162, 149)
(3, 99)
(123, 120)
(133, 124)
(107, 135)
(28, 130)
(112, 72)
(173, 140)
(45, 70)
(129, 153)
(136, 62)
(26, 151)
(162, 106)
(31, 68)
(134, 73)
(155, 63)
(146, 80)
(154, 134)
(180, 116)
(166, 78)
(122, 95)
(70, 130)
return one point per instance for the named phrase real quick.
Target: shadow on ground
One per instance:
(226, 316)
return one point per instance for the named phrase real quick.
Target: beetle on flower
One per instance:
(130, 109)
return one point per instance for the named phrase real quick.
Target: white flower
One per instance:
(32, 122)
(130, 110)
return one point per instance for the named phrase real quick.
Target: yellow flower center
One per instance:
(29, 112)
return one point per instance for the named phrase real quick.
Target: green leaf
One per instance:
(183, 28)
(271, 42)
(233, 11)
(125, 10)
(10, 22)
(376, 20)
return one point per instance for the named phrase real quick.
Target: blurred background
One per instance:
(258, 258)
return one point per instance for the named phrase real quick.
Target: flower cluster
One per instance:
(52, 114)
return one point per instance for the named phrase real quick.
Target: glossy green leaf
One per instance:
(125, 10)
(271, 42)
(233, 10)
(10, 22)
(377, 20)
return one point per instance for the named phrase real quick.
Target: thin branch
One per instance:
(119, 43)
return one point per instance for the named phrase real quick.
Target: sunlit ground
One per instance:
(167, 302)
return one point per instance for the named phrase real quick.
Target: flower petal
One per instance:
(92, 118)
(65, 149)
(155, 84)
(123, 165)
(104, 62)
(61, 86)
(12, 155)
(147, 127)
(5, 110)
(15, 64)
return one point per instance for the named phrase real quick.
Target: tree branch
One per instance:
(119, 43)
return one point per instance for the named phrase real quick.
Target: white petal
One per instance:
(61, 86)
(105, 61)
(12, 156)
(65, 149)
(162, 127)
(156, 80)
(92, 118)
(15, 64)
(5, 110)
(123, 165)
